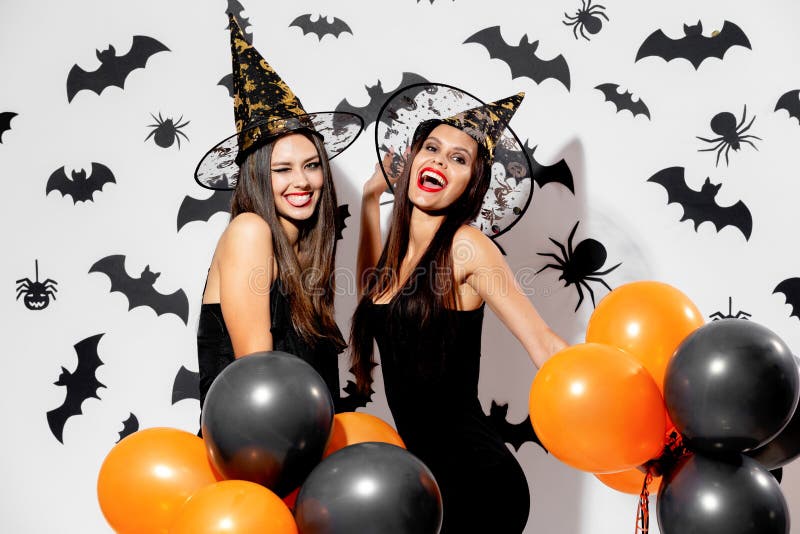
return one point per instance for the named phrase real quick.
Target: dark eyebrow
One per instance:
(456, 147)
(289, 163)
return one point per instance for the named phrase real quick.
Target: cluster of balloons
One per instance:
(273, 458)
(702, 410)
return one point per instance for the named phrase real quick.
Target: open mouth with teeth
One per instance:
(298, 200)
(431, 180)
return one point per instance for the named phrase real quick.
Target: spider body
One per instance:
(579, 265)
(166, 132)
(586, 19)
(730, 134)
(37, 294)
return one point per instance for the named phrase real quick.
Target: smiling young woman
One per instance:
(423, 302)
(270, 283)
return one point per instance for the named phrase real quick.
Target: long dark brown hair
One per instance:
(431, 288)
(307, 277)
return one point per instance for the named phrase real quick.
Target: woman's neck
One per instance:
(422, 227)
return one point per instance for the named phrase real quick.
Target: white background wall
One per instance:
(50, 487)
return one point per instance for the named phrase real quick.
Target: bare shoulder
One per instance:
(246, 231)
(472, 248)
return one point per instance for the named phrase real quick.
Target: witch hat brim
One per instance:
(511, 186)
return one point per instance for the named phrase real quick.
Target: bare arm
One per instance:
(245, 261)
(369, 238)
(487, 272)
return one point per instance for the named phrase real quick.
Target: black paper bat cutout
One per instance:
(235, 8)
(542, 174)
(522, 59)
(113, 69)
(514, 434)
(623, 100)
(353, 400)
(377, 97)
(81, 187)
(321, 27)
(5, 122)
(201, 209)
(700, 206)
(693, 46)
(129, 426)
(342, 213)
(140, 291)
(791, 290)
(81, 384)
(186, 385)
(790, 101)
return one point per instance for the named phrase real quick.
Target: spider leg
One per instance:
(580, 294)
(564, 253)
(575, 30)
(710, 140)
(744, 118)
(182, 125)
(750, 137)
(551, 265)
(719, 153)
(569, 240)
(596, 279)
(583, 34)
(49, 281)
(177, 133)
(155, 119)
(749, 143)
(25, 280)
(727, 150)
(569, 17)
(716, 314)
(178, 139)
(742, 314)
(721, 143)
(151, 134)
(743, 130)
(589, 289)
(601, 273)
(159, 117)
(586, 4)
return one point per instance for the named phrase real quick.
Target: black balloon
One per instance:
(370, 488)
(728, 493)
(784, 447)
(732, 385)
(267, 419)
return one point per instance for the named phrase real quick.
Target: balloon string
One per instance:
(643, 508)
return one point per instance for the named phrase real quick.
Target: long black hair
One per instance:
(430, 290)
(308, 275)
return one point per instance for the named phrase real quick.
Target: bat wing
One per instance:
(58, 181)
(514, 434)
(195, 209)
(227, 82)
(305, 23)
(729, 36)
(539, 69)
(737, 215)
(5, 122)
(674, 181)
(791, 290)
(79, 79)
(370, 112)
(659, 45)
(342, 213)
(546, 174)
(176, 303)
(353, 400)
(142, 49)
(235, 8)
(129, 426)
(81, 384)
(114, 267)
(790, 101)
(338, 27)
(623, 100)
(101, 175)
(186, 385)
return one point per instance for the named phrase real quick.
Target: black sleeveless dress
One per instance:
(431, 386)
(215, 351)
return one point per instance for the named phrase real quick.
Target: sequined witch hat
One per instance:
(405, 113)
(265, 107)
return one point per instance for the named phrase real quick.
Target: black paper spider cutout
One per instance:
(37, 294)
(166, 132)
(586, 18)
(580, 265)
(716, 316)
(730, 134)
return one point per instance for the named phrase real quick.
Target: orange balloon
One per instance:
(629, 481)
(597, 409)
(234, 507)
(147, 476)
(350, 428)
(647, 320)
